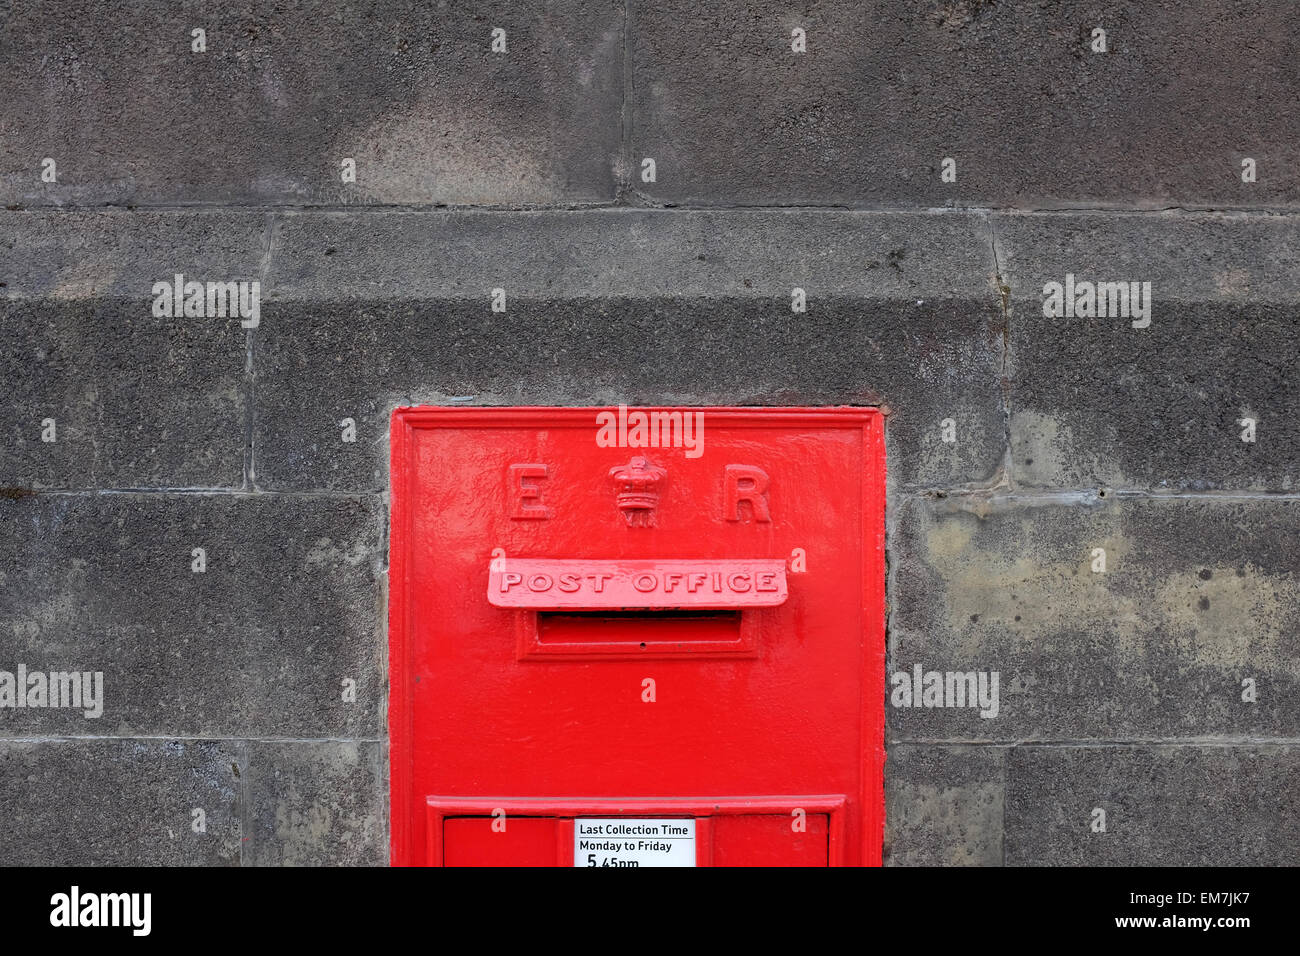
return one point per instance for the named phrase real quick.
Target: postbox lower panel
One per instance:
(728, 832)
(489, 841)
(572, 618)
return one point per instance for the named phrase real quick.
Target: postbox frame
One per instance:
(405, 420)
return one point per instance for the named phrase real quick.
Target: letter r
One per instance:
(745, 483)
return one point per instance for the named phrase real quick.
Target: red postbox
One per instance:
(637, 637)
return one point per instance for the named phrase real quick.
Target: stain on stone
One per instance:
(1061, 459)
(988, 565)
(962, 12)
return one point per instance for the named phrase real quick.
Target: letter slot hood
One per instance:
(636, 585)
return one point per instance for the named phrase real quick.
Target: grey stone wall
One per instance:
(1161, 690)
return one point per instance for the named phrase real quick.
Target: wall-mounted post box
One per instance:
(637, 637)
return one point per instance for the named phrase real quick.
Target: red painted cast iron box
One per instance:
(637, 637)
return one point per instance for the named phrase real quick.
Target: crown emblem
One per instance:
(637, 483)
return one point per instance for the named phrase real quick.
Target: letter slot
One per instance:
(636, 608)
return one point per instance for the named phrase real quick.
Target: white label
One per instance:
(621, 841)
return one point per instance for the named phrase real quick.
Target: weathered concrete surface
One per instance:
(316, 804)
(120, 802)
(1096, 402)
(136, 400)
(943, 806)
(1165, 806)
(1011, 91)
(71, 255)
(1198, 596)
(258, 644)
(639, 253)
(411, 91)
(625, 306)
(1121, 690)
(431, 115)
